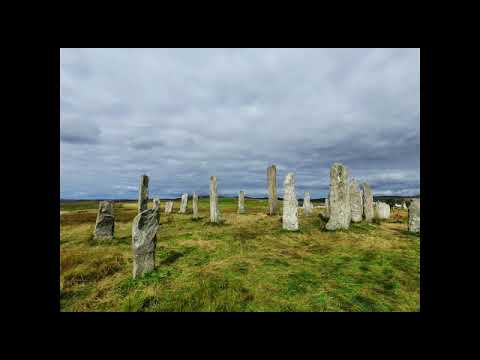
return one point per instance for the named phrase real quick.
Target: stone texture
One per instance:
(144, 238)
(241, 202)
(168, 207)
(195, 205)
(326, 214)
(183, 204)
(214, 212)
(414, 216)
(339, 198)
(367, 202)
(272, 190)
(381, 210)
(355, 202)
(105, 224)
(156, 204)
(290, 204)
(307, 205)
(143, 193)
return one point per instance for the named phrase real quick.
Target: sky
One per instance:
(182, 115)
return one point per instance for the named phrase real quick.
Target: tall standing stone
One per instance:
(105, 224)
(214, 212)
(290, 204)
(355, 202)
(195, 205)
(143, 194)
(381, 210)
(414, 216)
(367, 202)
(272, 190)
(339, 198)
(307, 205)
(241, 202)
(144, 238)
(156, 204)
(183, 204)
(168, 207)
(327, 208)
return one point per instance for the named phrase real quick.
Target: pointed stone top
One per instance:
(290, 178)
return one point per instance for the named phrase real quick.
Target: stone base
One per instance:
(336, 226)
(290, 227)
(101, 237)
(143, 264)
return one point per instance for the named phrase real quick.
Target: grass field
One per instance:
(246, 264)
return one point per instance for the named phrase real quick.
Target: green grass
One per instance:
(247, 263)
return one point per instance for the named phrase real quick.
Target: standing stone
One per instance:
(105, 224)
(307, 205)
(143, 194)
(241, 202)
(214, 212)
(404, 205)
(156, 204)
(355, 202)
(326, 214)
(381, 210)
(272, 190)
(168, 207)
(361, 199)
(414, 216)
(290, 204)
(195, 205)
(144, 239)
(367, 202)
(339, 198)
(183, 204)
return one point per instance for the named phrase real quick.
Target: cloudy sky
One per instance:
(181, 115)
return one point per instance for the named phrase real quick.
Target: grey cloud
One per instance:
(78, 131)
(181, 115)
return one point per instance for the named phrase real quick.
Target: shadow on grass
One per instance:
(406, 233)
(219, 224)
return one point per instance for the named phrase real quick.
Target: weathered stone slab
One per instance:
(414, 216)
(367, 202)
(105, 224)
(168, 207)
(326, 214)
(339, 198)
(272, 190)
(214, 211)
(241, 202)
(144, 238)
(290, 204)
(143, 193)
(156, 204)
(355, 202)
(195, 205)
(183, 204)
(307, 205)
(381, 210)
